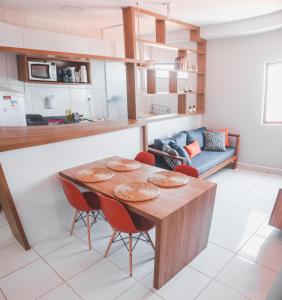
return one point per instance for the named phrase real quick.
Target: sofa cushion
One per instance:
(171, 162)
(181, 151)
(181, 139)
(159, 143)
(214, 141)
(193, 149)
(209, 159)
(197, 134)
(226, 131)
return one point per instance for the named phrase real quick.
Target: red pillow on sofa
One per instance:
(193, 149)
(226, 134)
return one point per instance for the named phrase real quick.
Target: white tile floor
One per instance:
(241, 261)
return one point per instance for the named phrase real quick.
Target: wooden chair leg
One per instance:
(88, 230)
(110, 243)
(150, 240)
(130, 254)
(73, 222)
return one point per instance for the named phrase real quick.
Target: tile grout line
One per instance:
(63, 281)
(66, 281)
(20, 268)
(2, 293)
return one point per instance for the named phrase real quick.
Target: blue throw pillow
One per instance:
(198, 135)
(181, 138)
(182, 152)
(159, 143)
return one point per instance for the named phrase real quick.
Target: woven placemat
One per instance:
(124, 165)
(136, 191)
(168, 179)
(94, 175)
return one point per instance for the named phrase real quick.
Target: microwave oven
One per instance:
(42, 71)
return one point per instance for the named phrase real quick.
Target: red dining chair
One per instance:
(145, 158)
(124, 222)
(85, 202)
(188, 170)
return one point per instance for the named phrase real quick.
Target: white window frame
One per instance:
(264, 121)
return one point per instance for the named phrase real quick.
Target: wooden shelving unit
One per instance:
(129, 15)
(168, 46)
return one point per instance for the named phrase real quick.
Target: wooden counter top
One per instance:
(21, 137)
(27, 136)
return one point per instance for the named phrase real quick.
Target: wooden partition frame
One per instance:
(10, 211)
(129, 15)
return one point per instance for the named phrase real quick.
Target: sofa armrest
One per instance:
(162, 153)
(237, 143)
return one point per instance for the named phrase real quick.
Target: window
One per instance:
(273, 93)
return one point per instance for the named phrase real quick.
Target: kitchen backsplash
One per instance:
(104, 97)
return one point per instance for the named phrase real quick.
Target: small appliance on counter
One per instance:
(35, 120)
(12, 110)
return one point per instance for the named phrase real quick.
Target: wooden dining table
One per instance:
(182, 215)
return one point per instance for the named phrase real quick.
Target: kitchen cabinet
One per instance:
(10, 35)
(102, 47)
(74, 44)
(40, 39)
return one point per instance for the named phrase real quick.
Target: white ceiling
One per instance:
(107, 13)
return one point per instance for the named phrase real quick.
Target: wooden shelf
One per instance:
(47, 54)
(168, 46)
(156, 118)
(172, 70)
(172, 94)
(157, 16)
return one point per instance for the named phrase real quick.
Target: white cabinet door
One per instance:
(10, 35)
(40, 39)
(74, 44)
(102, 47)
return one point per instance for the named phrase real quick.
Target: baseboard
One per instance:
(264, 169)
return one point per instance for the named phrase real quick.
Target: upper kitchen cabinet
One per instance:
(40, 39)
(10, 35)
(102, 47)
(74, 44)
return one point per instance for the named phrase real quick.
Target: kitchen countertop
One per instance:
(28, 136)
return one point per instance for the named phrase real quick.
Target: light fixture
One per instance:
(72, 8)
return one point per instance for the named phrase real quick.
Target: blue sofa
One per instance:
(207, 162)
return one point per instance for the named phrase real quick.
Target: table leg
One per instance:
(182, 236)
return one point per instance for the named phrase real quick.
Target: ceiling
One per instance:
(106, 13)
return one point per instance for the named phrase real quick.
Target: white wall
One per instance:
(168, 128)
(31, 176)
(234, 86)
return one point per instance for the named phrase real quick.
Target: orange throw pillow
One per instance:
(193, 149)
(226, 134)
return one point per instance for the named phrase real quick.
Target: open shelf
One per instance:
(48, 54)
(155, 118)
(172, 94)
(172, 70)
(168, 46)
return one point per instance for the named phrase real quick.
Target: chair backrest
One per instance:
(146, 158)
(188, 170)
(74, 196)
(117, 215)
